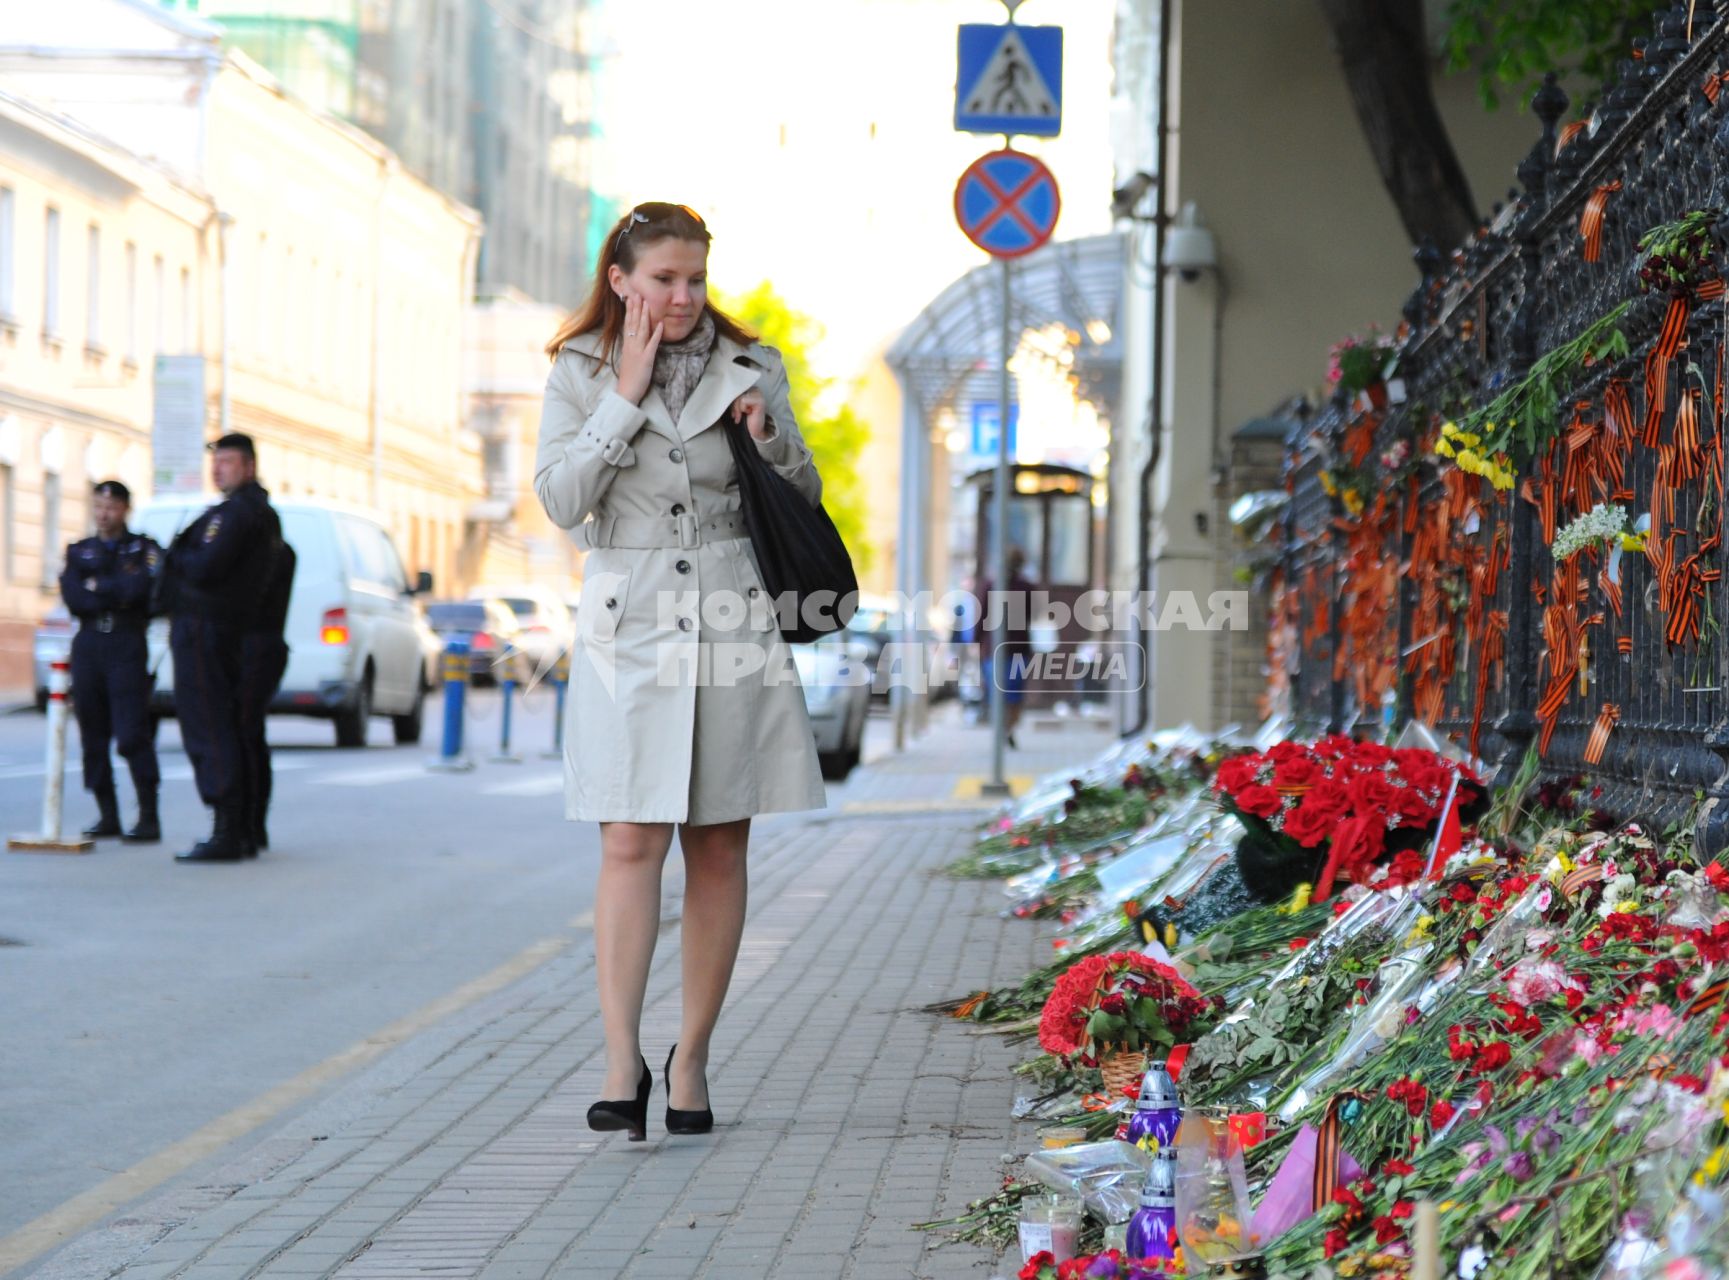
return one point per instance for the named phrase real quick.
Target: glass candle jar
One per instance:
(1050, 1223)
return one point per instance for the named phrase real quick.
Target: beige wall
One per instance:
(505, 371)
(76, 400)
(1310, 250)
(348, 289)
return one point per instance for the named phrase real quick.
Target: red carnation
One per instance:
(1441, 1114)
(1492, 1057)
(1336, 1240)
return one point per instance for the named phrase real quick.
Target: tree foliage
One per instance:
(1510, 44)
(837, 441)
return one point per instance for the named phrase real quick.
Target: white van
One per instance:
(354, 638)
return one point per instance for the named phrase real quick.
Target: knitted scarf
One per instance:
(678, 366)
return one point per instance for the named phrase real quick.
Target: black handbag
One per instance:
(805, 566)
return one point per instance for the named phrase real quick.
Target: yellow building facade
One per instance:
(324, 288)
(100, 256)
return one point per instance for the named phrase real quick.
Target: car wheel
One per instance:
(407, 728)
(351, 722)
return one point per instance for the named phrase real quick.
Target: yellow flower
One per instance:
(1449, 428)
(1422, 931)
(1299, 900)
(1713, 1166)
(1632, 542)
(1327, 484)
(1469, 461)
(1443, 448)
(1626, 905)
(1470, 438)
(1170, 936)
(1353, 502)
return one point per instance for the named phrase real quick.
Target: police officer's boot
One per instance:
(225, 844)
(148, 829)
(107, 823)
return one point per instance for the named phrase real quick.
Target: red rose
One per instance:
(1261, 802)
(1336, 1240)
(1369, 754)
(1297, 774)
(1114, 1004)
(1372, 791)
(1415, 808)
(1308, 827)
(1329, 797)
(1386, 1230)
(1236, 773)
(1280, 752)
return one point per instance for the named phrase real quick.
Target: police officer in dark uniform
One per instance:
(263, 659)
(107, 585)
(217, 572)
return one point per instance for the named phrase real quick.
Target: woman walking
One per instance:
(684, 708)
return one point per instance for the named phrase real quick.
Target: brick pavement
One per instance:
(844, 1115)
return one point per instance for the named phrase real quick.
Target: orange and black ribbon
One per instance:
(1599, 740)
(1574, 881)
(1591, 221)
(1657, 367)
(1713, 85)
(1709, 998)
(1569, 131)
(1327, 1149)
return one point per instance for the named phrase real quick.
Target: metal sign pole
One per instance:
(1000, 658)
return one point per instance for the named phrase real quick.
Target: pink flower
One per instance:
(1532, 981)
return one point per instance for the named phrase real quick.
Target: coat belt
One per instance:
(648, 532)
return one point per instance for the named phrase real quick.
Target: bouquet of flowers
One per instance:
(1121, 1002)
(1318, 814)
(1359, 363)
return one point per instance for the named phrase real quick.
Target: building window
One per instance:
(50, 529)
(93, 291)
(188, 321)
(131, 303)
(8, 524)
(51, 275)
(8, 271)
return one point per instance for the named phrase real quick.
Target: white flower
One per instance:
(1621, 889)
(1601, 524)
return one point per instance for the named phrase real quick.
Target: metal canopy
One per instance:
(955, 338)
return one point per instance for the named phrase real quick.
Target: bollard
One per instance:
(507, 691)
(48, 839)
(560, 688)
(451, 759)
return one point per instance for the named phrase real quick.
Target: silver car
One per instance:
(836, 675)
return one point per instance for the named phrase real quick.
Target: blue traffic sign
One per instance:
(984, 437)
(1009, 79)
(1007, 203)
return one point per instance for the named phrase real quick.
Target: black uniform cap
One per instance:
(114, 489)
(234, 440)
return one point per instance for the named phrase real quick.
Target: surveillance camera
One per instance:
(1189, 247)
(1127, 198)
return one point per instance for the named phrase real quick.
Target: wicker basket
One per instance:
(1122, 1071)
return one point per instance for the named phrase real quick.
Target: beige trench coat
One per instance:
(681, 707)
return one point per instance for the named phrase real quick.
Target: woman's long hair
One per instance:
(603, 309)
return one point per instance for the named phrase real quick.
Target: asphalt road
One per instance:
(141, 999)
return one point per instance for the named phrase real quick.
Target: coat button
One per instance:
(684, 624)
(611, 603)
(677, 455)
(678, 508)
(683, 566)
(752, 593)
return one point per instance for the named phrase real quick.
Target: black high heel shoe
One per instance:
(631, 1115)
(685, 1121)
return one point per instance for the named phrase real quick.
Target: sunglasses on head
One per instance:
(656, 211)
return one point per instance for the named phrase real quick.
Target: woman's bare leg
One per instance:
(713, 922)
(626, 922)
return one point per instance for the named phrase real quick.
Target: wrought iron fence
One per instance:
(1416, 585)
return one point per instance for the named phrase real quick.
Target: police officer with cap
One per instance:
(106, 585)
(218, 570)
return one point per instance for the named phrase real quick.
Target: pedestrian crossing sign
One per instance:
(1009, 80)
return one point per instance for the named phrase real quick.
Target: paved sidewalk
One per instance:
(844, 1115)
